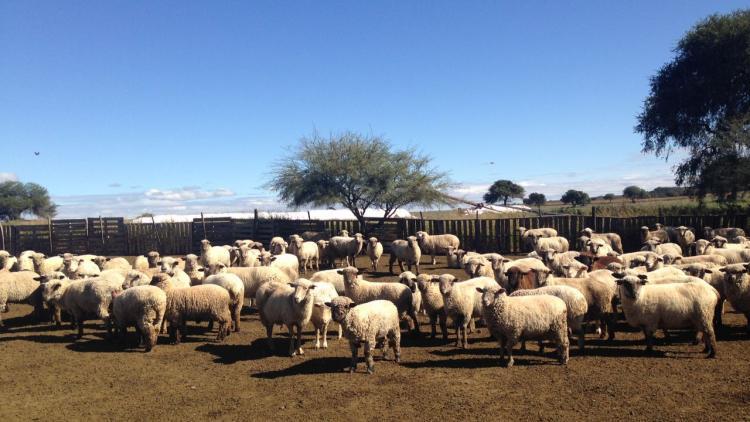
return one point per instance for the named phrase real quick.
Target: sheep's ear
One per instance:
(723, 269)
(312, 286)
(707, 271)
(480, 290)
(340, 272)
(643, 277)
(660, 259)
(319, 305)
(329, 304)
(618, 275)
(506, 260)
(619, 280)
(201, 269)
(38, 278)
(61, 276)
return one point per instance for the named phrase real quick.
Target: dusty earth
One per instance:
(45, 374)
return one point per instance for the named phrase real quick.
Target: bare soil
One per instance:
(46, 374)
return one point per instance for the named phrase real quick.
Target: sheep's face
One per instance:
(473, 267)
(100, 260)
(344, 233)
(681, 230)
(413, 242)
(708, 232)
(616, 268)
(541, 276)
(340, 307)
(53, 290)
(205, 244)
(302, 291)
(37, 259)
(424, 280)
(160, 280)
(735, 274)
(297, 242)
(701, 246)
(152, 258)
(653, 262)
(575, 270)
(513, 276)
(696, 270)
(373, 241)
(409, 280)
(134, 278)
(630, 284)
(446, 284)
(650, 245)
(350, 275)
(719, 241)
(548, 255)
(217, 269)
(191, 262)
(490, 295)
(168, 265)
(587, 232)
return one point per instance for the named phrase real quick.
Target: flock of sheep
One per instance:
(676, 281)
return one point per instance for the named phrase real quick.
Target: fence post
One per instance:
(101, 229)
(255, 223)
(203, 220)
(593, 219)
(49, 228)
(421, 218)
(2, 235)
(477, 228)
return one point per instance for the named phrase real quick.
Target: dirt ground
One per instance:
(45, 374)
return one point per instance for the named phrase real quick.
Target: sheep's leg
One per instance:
(269, 335)
(563, 347)
(355, 349)
(413, 315)
(80, 322)
(317, 338)
(395, 341)
(299, 341)
(391, 260)
(581, 336)
(611, 322)
(465, 343)
(369, 346)
(523, 346)
(291, 340)
(325, 335)
(443, 325)
(718, 312)
(709, 337)
(458, 334)
(433, 259)
(649, 334)
(416, 267)
(58, 316)
(509, 343)
(433, 325)
(401, 265)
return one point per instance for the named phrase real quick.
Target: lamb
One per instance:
(236, 289)
(25, 261)
(436, 244)
(325, 254)
(407, 251)
(213, 254)
(564, 264)
(575, 303)
(85, 269)
(613, 239)
(252, 277)
(20, 287)
(117, 263)
(374, 252)
(737, 289)
(684, 237)
(7, 261)
(143, 307)
(44, 265)
(321, 314)
(204, 302)
(345, 247)
(557, 243)
(733, 256)
(136, 278)
(307, 253)
(669, 306)
(432, 302)
(362, 291)
(727, 232)
(278, 245)
(599, 247)
(83, 299)
(409, 279)
(453, 257)
(249, 257)
(287, 263)
(651, 260)
(332, 277)
(660, 248)
(529, 236)
(373, 324)
(658, 234)
(722, 243)
(513, 319)
(478, 266)
(291, 305)
(170, 266)
(193, 269)
(463, 303)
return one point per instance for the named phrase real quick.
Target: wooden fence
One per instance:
(112, 236)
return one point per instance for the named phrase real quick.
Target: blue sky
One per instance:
(173, 107)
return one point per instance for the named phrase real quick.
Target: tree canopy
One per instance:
(700, 102)
(575, 197)
(634, 192)
(503, 190)
(356, 171)
(609, 197)
(18, 198)
(536, 199)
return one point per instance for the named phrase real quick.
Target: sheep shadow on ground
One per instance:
(40, 338)
(315, 366)
(474, 363)
(228, 354)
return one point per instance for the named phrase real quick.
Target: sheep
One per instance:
(462, 303)
(307, 253)
(684, 236)
(140, 263)
(243, 242)
(559, 244)
(291, 305)
(292, 243)
(345, 247)
(733, 256)
(170, 266)
(361, 291)
(409, 279)
(513, 319)
(436, 244)
(564, 264)
(669, 306)
(136, 278)
(277, 246)
(650, 259)
(85, 269)
(25, 261)
(711, 274)
(236, 290)
(325, 254)
(737, 289)
(206, 301)
(332, 277)
(252, 277)
(529, 236)
(727, 232)
(407, 251)
(497, 263)
(83, 299)
(193, 269)
(372, 324)
(321, 314)
(658, 234)
(740, 240)
(432, 302)
(575, 303)
(478, 266)
(722, 243)
(599, 247)
(7, 261)
(248, 257)
(520, 274)
(213, 254)
(660, 276)
(143, 307)
(660, 248)
(44, 265)
(613, 239)
(20, 287)
(287, 263)
(374, 252)
(453, 258)
(314, 236)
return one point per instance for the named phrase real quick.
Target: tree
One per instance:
(634, 192)
(17, 198)
(358, 172)
(503, 190)
(536, 199)
(575, 197)
(699, 102)
(609, 197)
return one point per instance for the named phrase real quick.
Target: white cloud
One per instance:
(8, 177)
(188, 193)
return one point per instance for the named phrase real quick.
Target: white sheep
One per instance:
(564, 264)
(136, 278)
(193, 269)
(371, 324)
(26, 261)
(432, 302)
(374, 252)
(599, 247)
(529, 236)
(345, 247)
(463, 303)
(362, 291)
(436, 244)
(332, 277)
(278, 245)
(408, 251)
(142, 307)
(733, 256)
(7, 261)
(658, 234)
(575, 303)
(722, 243)
(737, 289)
(684, 237)
(307, 253)
(478, 266)
(203, 302)
(213, 254)
(44, 265)
(660, 248)
(116, 263)
(321, 314)
(325, 254)
(557, 243)
(171, 267)
(20, 287)
(252, 277)
(290, 305)
(613, 239)
(453, 257)
(287, 263)
(514, 319)
(84, 269)
(669, 306)
(236, 290)
(409, 279)
(83, 299)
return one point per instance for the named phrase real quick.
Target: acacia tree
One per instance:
(536, 199)
(17, 198)
(609, 197)
(575, 197)
(700, 102)
(358, 172)
(634, 192)
(503, 190)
